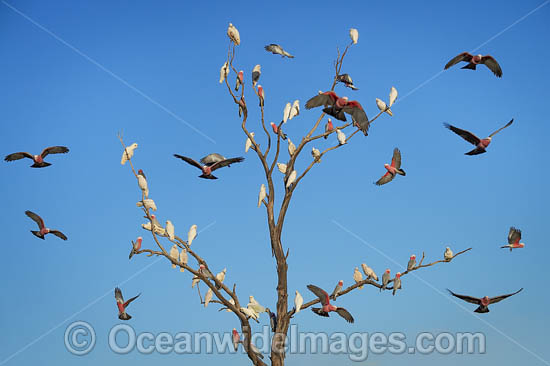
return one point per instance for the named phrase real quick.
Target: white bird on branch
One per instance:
(248, 143)
(383, 107)
(298, 302)
(393, 95)
(221, 277)
(142, 183)
(250, 313)
(233, 34)
(286, 112)
(262, 195)
(448, 255)
(128, 153)
(149, 204)
(354, 35)
(357, 276)
(208, 297)
(192, 234)
(184, 258)
(282, 167)
(341, 137)
(316, 155)
(224, 71)
(255, 305)
(170, 230)
(291, 178)
(174, 254)
(291, 147)
(295, 110)
(369, 272)
(195, 281)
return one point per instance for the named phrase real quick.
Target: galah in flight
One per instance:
(346, 80)
(337, 290)
(122, 305)
(369, 272)
(224, 71)
(272, 319)
(396, 283)
(473, 61)
(184, 258)
(383, 107)
(327, 307)
(480, 144)
(354, 35)
(277, 50)
(262, 195)
(240, 80)
(43, 230)
(291, 178)
(136, 246)
(282, 167)
(191, 234)
(142, 183)
(392, 169)
(261, 95)
(385, 279)
(170, 230)
(208, 297)
(256, 72)
(38, 159)
(149, 204)
(248, 143)
(514, 236)
(328, 128)
(298, 302)
(233, 34)
(174, 254)
(448, 255)
(483, 302)
(357, 276)
(412, 262)
(221, 277)
(128, 153)
(208, 169)
(341, 137)
(277, 130)
(286, 112)
(212, 159)
(235, 339)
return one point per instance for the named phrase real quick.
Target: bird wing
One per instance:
(130, 300)
(514, 235)
(386, 178)
(18, 155)
(466, 135)
(345, 314)
(35, 218)
(464, 56)
(470, 299)
(494, 300)
(54, 150)
(226, 162)
(492, 64)
(320, 293)
(212, 158)
(59, 234)
(356, 111)
(323, 99)
(502, 128)
(189, 161)
(273, 48)
(396, 159)
(118, 296)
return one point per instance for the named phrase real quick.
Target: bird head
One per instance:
(521, 245)
(386, 165)
(341, 283)
(413, 256)
(230, 24)
(139, 239)
(398, 275)
(345, 98)
(388, 271)
(447, 248)
(153, 216)
(485, 300)
(134, 145)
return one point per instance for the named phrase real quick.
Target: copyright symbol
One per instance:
(79, 338)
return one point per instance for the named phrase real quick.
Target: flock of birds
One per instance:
(334, 106)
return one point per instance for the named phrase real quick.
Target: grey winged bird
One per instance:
(208, 169)
(346, 80)
(473, 61)
(277, 50)
(327, 307)
(122, 315)
(483, 302)
(393, 169)
(211, 159)
(43, 229)
(38, 159)
(480, 144)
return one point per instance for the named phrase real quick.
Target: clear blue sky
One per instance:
(172, 52)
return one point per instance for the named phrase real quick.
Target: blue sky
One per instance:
(144, 67)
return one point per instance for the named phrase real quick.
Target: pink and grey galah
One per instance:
(224, 71)
(43, 230)
(184, 258)
(233, 34)
(396, 283)
(347, 81)
(204, 271)
(514, 236)
(327, 307)
(236, 339)
(136, 246)
(261, 195)
(158, 229)
(328, 128)
(357, 277)
(261, 95)
(473, 61)
(128, 153)
(337, 290)
(174, 255)
(240, 80)
(480, 144)
(38, 160)
(212, 159)
(385, 279)
(278, 130)
(483, 302)
(354, 35)
(208, 297)
(142, 183)
(207, 170)
(392, 169)
(277, 50)
(256, 73)
(412, 262)
(191, 234)
(149, 204)
(122, 305)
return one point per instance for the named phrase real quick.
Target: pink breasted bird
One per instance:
(235, 338)
(38, 159)
(480, 144)
(261, 95)
(483, 302)
(392, 169)
(240, 80)
(385, 279)
(337, 290)
(396, 283)
(136, 246)
(208, 169)
(327, 307)
(43, 229)
(412, 262)
(276, 130)
(473, 61)
(328, 127)
(122, 315)
(514, 236)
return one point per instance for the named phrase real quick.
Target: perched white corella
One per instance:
(448, 254)
(286, 112)
(128, 153)
(142, 183)
(291, 147)
(149, 204)
(248, 143)
(184, 258)
(255, 305)
(262, 195)
(282, 167)
(354, 35)
(291, 178)
(191, 234)
(195, 281)
(357, 276)
(170, 229)
(174, 254)
(316, 155)
(298, 301)
(231, 301)
(383, 107)
(159, 230)
(369, 272)
(208, 297)
(295, 110)
(393, 95)
(250, 313)
(233, 34)
(220, 277)
(224, 71)
(341, 137)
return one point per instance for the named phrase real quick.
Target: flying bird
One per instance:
(277, 50)
(276, 130)
(256, 72)
(354, 35)
(514, 236)
(149, 204)
(262, 195)
(39, 159)
(298, 301)
(240, 80)
(473, 61)
(328, 128)
(480, 144)
(385, 279)
(248, 143)
(212, 159)
(448, 255)
(142, 183)
(392, 169)
(224, 71)
(208, 169)
(122, 315)
(336, 106)
(191, 234)
(233, 34)
(128, 153)
(396, 283)
(337, 290)
(43, 229)
(346, 80)
(412, 262)
(483, 302)
(136, 246)
(327, 307)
